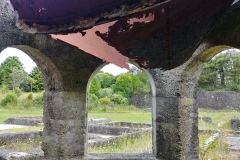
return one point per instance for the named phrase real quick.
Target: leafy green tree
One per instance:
(7, 66)
(31, 82)
(36, 80)
(93, 100)
(233, 69)
(144, 85)
(118, 99)
(105, 92)
(125, 84)
(209, 75)
(106, 79)
(16, 77)
(222, 72)
(221, 62)
(95, 86)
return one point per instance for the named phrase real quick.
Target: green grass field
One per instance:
(133, 116)
(8, 113)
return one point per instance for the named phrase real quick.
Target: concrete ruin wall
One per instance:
(141, 100)
(218, 100)
(205, 99)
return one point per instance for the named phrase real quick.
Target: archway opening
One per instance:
(120, 105)
(218, 105)
(21, 101)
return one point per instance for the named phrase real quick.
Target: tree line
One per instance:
(105, 88)
(13, 76)
(222, 72)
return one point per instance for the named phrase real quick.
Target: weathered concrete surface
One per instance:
(204, 99)
(167, 42)
(108, 135)
(27, 121)
(175, 117)
(218, 100)
(141, 100)
(24, 136)
(234, 143)
(66, 71)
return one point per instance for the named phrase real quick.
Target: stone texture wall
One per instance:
(207, 99)
(141, 100)
(218, 100)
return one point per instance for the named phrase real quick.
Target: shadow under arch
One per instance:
(153, 91)
(51, 75)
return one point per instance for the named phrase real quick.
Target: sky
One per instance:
(29, 64)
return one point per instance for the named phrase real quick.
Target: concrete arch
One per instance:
(190, 73)
(153, 91)
(193, 68)
(147, 73)
(51, 76)
(153, 107)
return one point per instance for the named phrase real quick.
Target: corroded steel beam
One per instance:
(154, 33)
(54, 16)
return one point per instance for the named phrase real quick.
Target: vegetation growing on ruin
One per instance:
(216, 150)
(133, 144)
(221, 119)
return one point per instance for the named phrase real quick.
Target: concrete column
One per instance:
(65, 124)
(175, 118)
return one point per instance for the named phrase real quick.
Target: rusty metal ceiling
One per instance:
(51, 16)
(160, 34)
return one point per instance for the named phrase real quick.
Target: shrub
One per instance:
(38, 100)
(17, 91)
(104, 101)
(118, 99)
(233, 87)
(27, 104)
(30, 96)
(11, 98)
(93, 100)
(105, 92)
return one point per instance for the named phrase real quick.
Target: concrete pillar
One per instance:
(175, 118)
(65, 109)
(65, 124)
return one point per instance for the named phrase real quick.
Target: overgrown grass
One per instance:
(221, 119)
(217, 150)
(23, 146)
(10, 100)
(128, 145)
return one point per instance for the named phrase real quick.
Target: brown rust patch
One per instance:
(168, 17)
